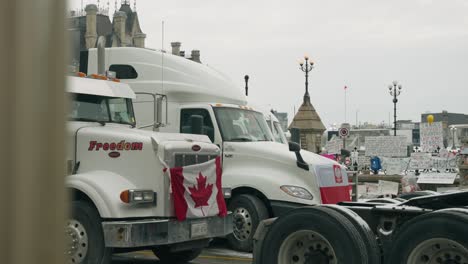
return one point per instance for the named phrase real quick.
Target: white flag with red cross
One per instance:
(197, 190)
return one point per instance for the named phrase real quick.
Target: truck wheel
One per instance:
(367, 236)
(437, 237)
(247, 212)
(166, 256)
(84, 236)
(313, 235)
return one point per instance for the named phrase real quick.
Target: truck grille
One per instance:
(191, 159)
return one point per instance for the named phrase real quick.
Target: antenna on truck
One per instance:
(162, 57)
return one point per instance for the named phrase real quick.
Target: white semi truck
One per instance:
(266, 178)
(120, 198)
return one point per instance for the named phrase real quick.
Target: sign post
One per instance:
(344, 133)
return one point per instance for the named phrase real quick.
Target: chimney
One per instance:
(91, 32)
(139, 40)
(120, 19)
(182, 53)
(195, 56)
(175, 48)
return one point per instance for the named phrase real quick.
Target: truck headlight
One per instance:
(297, 192)
(137, 196)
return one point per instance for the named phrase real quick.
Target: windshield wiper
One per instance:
(101, 122)
(243, 139)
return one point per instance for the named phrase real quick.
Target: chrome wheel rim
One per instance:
(76, 242)
(306, 247)
(242, 224)
(438, 251)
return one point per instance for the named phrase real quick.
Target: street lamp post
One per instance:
(306, 67)
(395, 91)
(454, 130)
(246, 79)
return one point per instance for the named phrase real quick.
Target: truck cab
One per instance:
(266, 178)
(273, 124)
(120, 194)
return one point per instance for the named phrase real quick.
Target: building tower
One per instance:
(309, 124)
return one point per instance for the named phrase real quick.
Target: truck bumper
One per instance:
(280, 208)
(153, 232)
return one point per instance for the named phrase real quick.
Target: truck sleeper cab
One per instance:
(120, 193)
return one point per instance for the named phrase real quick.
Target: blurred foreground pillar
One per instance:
(32, 195)
(463, 165)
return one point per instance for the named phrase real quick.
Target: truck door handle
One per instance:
(228, 155)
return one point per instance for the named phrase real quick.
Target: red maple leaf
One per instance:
(201, 194)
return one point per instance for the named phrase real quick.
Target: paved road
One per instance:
(209, 256)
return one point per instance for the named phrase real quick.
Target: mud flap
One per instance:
(258, 238)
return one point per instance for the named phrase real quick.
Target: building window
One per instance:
(124, 71)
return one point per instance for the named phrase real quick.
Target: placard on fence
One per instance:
(386, 146)
(394, 166)
(334, 146)
(420, 161)
(437, 178)
(432, 136)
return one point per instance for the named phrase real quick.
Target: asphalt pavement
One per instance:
(213, 255)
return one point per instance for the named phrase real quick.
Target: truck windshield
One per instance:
(94, 108)
(241, 125)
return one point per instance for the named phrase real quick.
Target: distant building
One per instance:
(123, 31)
(451, 138)
(448, 118)
(310, 126)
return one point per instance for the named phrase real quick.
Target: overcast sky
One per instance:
(363, 44)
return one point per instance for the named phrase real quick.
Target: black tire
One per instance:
(368, 237)
(247, 211)
(166, 256)
(342, 237)
(87, 216)
(420, 231)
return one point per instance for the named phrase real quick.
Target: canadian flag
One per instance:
(197, 190)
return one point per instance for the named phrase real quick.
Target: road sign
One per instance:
(343, 132)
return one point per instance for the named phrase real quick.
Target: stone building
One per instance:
(194, 55)
(310, 126)
(123, 31)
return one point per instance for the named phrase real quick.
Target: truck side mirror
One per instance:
(196, 122)
(295, 135)
(294, 147)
